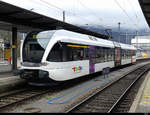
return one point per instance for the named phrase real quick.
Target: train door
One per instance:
(117, 56)
(92, 59)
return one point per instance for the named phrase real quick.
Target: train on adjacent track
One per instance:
(55, 56)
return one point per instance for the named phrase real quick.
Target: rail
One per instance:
(85, 106)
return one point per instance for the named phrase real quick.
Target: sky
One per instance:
(106, 13)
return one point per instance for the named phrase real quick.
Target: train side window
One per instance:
(108, 54)
(125, 54)
(112, 54)
(78, 54)
(134, 53)
(86, 53)
(105, 54)
(128, 54)
(97, 56)
(67, 53)
(122, 53)
(55, 54)
(102, 55)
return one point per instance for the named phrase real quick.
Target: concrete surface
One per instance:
(135, 106)
(57, 107)
(5, 66)
(142, 100)
(8, 82)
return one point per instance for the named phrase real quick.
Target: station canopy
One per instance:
(26, 21)
(145, 5)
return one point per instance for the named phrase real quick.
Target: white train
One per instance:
(58, 55)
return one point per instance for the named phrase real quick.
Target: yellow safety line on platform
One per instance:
(146, 95)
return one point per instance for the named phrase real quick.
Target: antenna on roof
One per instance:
(109, 33)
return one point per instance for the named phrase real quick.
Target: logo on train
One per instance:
(77, 69)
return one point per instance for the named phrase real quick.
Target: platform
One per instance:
(141, 103)
(8, 81)
(5, 67)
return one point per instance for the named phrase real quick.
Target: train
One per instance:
(54, 56)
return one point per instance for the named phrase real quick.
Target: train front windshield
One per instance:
(35, 45)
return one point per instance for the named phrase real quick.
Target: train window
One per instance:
(78, 54)
(122, 54)
(102, 55)
(67, 53)
(86, 53)
(134, 53)
(97, 55)
(110, 55)
(55, 54)
(32, 51)
(105, 54)
(128, 54)
(125, 54)
(74, 52)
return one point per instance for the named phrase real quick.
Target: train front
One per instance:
(32, 52)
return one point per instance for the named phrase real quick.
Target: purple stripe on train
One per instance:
(91, 59)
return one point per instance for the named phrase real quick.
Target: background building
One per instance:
(142, 43)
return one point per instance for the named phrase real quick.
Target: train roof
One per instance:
(68, 36)
(127, 46)
(73, 37)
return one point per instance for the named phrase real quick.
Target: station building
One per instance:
(142, 43)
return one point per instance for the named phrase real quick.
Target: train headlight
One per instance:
(43, 74)
(44, 64)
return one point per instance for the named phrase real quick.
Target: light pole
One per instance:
(63, 16)
(137, 39)
(127, 40)
(119, 32)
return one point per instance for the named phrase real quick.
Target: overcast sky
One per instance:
(105, 13)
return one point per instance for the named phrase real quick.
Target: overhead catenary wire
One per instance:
(103, 27)
(49, 5)
(136, 14)
(99, 18)
(124, 11)
(132, 6)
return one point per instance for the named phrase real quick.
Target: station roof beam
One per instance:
(25, 20)
(145, 5)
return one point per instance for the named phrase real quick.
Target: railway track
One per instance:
(20, 95)
(110, 98)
